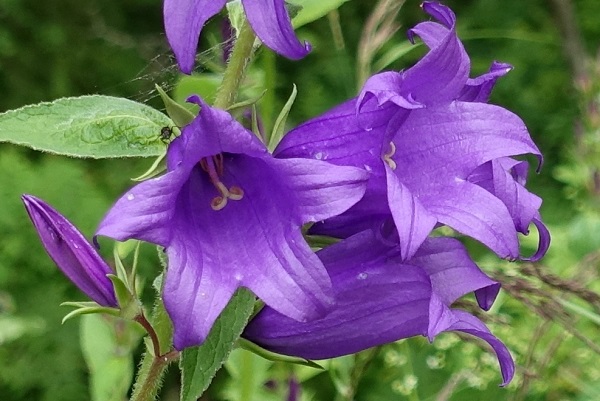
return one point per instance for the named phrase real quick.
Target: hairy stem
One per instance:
(154, 366)
(236, 67)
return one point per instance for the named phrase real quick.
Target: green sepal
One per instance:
(272, 356)
(255, 127)
(236, 15)
(86, 310)
(128, 303)
(279, 127)
(155, 169)
(82, 304)
(246, 103)
(320, 241)
(179, 114)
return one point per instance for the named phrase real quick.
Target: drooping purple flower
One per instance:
(422, 133)
(71, 252)
(381, 299)
(184, 20)
(229, 215)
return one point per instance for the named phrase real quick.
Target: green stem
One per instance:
(268, 100)
(152, 371)
(236, 67)
(154, 365)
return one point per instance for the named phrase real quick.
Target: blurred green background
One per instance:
(548, 314)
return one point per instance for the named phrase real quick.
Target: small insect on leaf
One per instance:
(165, 134)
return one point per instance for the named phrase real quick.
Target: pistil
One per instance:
(214, 166)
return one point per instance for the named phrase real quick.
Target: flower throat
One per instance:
(213, 165)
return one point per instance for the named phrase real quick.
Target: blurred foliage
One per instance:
(547, 313)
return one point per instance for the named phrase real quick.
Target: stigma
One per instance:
(213, 166)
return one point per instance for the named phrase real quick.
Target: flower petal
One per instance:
(413, 221)
(337, 137)
(320, 189)
(452, 272)
(544, 242)
(184, 20)
(473, 211)
(71, 252)
(253, 242)
(145, 211)
(271, 23)
(496, 176)
(445, 142)
(469, 324)
(376, 303)
(479, 89)
(441, 74)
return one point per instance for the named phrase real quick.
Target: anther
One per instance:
(236, 193)
(387, 157)
(218, 203)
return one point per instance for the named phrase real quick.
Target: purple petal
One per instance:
(321, 190)
(441, 74)
(473, 211)
(452, 272)
(479, 89)
(386, 88)
(471, 325)
(413, 221)
(504, 178)
(497, 177)
(449, 141)
(357, 322)
(271, 23)
(544, 242)
(184, 20)
(71, 252)
(145, 211)
(337, 137)
(254, 242)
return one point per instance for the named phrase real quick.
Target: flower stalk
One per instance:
(236, 67)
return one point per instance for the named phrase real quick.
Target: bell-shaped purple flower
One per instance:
(380, 299)
(71, 252)
(184, 20)
(229, 215)
(423, 133)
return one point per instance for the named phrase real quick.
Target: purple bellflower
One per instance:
(437, 152)
(380, 299)
(184, 20)
(71, 252)
(229, 215)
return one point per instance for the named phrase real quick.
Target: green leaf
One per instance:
(312, 10)
(200, 364)
(88, 126)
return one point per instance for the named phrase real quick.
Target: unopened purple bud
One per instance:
(72, 253)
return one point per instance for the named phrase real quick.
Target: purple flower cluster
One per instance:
(415, 150)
